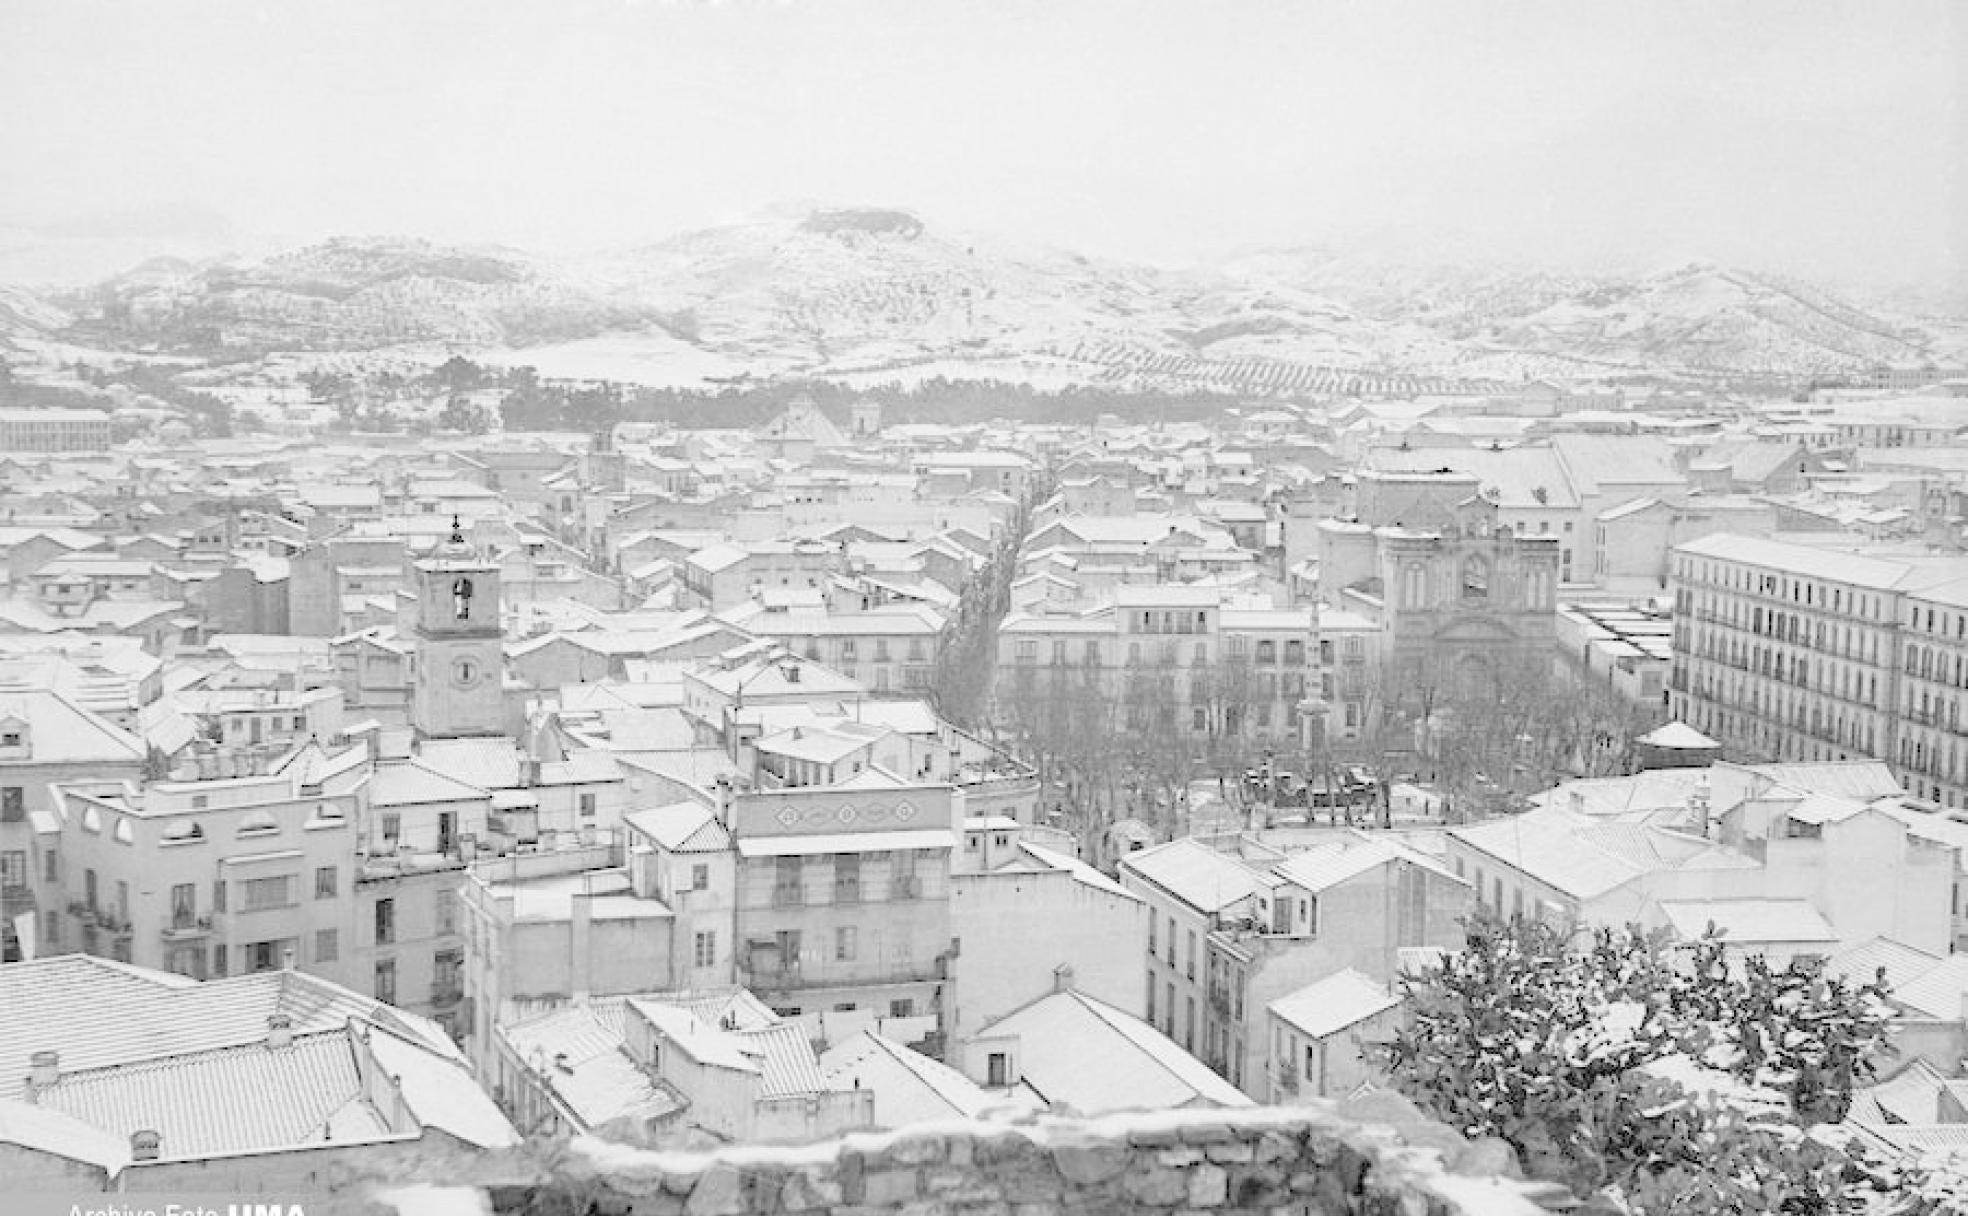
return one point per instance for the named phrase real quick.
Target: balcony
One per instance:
(444, 995)
(188, 929)
(100, 918)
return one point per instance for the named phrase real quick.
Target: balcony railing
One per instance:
(188, 929)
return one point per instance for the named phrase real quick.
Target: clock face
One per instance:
(466, 672)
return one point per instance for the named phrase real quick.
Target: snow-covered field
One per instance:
(651, 358)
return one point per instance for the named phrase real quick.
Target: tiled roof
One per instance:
(1862, 963)
(682, 827)
(489, 764)
(786, 1059)
(62, 732)
(51, 1131)
(1093, 1057)
(1322, 868)
(1750, 920)
(597, 1080)
(413, 783)
(914, 1084)
(1194, 873)
(1328, 1006)
(1584, 857)
(1938, 991)
(87, 1010)
(228, 1099)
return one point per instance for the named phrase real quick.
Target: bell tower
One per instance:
(457, 686)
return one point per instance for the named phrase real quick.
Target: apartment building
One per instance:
(1798, 858)
(1234, 930)
(204, 877)
(842, 904)
(46, 739)
(51, 430)
(1787, 651)
(890, 647)
(725, 575)
(1180, 657)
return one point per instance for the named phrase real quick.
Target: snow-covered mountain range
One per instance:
(875, 294)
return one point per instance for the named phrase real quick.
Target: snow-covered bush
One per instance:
(1666, 1077)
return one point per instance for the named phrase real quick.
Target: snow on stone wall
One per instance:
(1309, 1161)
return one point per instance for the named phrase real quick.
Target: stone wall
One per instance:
(1308, 1161)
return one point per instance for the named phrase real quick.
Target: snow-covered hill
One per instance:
(867, 293)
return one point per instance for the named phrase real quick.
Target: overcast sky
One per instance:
(1824, 138)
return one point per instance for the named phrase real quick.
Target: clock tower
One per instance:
(457, 685)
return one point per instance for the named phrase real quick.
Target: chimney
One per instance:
(1576, 800)
(1698, 806)
(1062, 978)
(44, 1070)
(144, 1145)
(280, 1032)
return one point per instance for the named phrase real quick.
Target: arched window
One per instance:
(1475, 579)
(461, 597)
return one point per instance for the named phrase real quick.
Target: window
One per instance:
(13, 804)
(997, 1071)
(13, 868)
(324, 882)
(218, 897)
(1151, 952)
(264, 956)
(587, 806)
(1475, 579)
(700, 877)
(392, 828)
(184, 905)
(386, 980)
(847, 878)
(326, 947)
(1151, 999)
(447, 911)
(1171, 941)
(264, 893)
(704, 952)
(844, 942)
(1192, 954)
(385, 921)
(52, 870)
(902, 1007)
(786, 882)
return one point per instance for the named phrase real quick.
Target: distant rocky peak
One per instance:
(866, 221)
